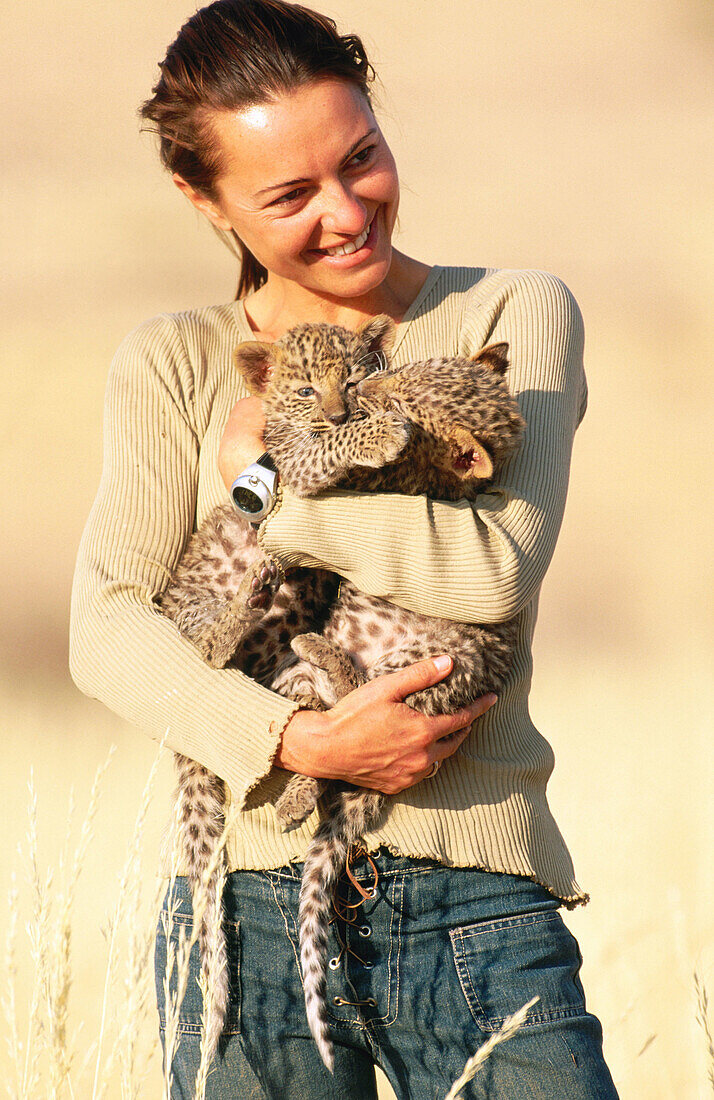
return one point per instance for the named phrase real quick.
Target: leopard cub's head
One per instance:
(308, 377)
(470, 420)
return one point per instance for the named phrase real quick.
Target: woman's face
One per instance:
(302, 177)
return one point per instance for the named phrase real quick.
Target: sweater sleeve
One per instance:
(122, 650)
(479, 561)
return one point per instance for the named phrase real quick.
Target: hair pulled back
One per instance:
(235, 54)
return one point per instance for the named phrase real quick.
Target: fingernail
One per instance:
(442, 663)
(491, 699)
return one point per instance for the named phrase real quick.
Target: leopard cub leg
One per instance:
(298, 800)
(218, 640)
(332, 660)
(321, 677)
(259, 587)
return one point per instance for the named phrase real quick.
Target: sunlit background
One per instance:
(571, 137)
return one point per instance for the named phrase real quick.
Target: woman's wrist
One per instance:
(242, 440)
(302, 735)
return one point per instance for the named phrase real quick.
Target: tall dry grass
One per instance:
(49, 1059)
(508, 1029)
(703, 1021)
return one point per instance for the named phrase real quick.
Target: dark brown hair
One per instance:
(234, 54)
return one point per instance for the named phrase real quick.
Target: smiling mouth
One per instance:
(351, 246)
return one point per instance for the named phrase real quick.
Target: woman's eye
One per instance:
(363, 155)
(290, 196)
(306, 391)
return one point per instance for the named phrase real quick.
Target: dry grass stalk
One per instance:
(132, 1006)
(44, 1062)
(58, 999)
(50, 936)
(510, 1026)
(703, 1021)
(9, 998)
(38, 931)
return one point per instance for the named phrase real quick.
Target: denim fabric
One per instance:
(424, 973)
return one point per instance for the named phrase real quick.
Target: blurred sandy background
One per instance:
(571, 137)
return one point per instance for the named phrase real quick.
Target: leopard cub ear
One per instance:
(378, 334)
(466, 456)
(254, 362)
(494, 356)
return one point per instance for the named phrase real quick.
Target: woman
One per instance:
(267, 127)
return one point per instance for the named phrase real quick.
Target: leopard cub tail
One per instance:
(351, 813)
(201, 797)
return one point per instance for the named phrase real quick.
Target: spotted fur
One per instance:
(464, 425)
(239, 609)
(438, 427)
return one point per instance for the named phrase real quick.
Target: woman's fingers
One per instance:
(424, 674)
(411, 678)
(444, 725)
(447, 746)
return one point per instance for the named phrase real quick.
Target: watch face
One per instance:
(246, 499)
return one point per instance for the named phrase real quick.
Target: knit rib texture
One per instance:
(170, 390)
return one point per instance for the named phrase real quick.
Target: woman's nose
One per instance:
(343, 211)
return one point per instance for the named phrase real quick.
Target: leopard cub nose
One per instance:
(337, 417)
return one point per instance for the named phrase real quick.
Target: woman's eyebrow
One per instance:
(291, 183)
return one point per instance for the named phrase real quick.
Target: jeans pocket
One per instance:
(172, 937)
(502, 964)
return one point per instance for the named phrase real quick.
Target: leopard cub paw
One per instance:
(298, 800)
(260, 585)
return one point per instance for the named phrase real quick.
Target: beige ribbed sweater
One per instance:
(171, 388)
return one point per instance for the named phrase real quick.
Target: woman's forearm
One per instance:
(123, 651)
(481, 561)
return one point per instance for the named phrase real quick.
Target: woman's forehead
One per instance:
(293, 135)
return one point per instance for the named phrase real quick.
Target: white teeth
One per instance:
(350, 247)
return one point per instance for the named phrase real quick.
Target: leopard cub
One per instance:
(239, 609)
(441, 427)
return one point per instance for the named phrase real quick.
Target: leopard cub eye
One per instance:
(306, 391)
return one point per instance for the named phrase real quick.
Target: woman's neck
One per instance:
(279, 305)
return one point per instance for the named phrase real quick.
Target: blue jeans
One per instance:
(420, 976)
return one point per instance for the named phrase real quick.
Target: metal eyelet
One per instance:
(368, 965)
(365, 930)
(334, 963)
(371, 894)
(371, 1002)
(337, 1001)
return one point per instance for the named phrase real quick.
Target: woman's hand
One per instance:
(372, 738)
(242, 440)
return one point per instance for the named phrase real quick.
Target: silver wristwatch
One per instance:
(253, 491)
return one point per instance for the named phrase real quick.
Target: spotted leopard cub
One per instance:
(241, 610)
(439, 427)
(464, 424)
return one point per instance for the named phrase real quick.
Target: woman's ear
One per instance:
(204, 205)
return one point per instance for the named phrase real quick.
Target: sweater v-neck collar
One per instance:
(245, 332)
